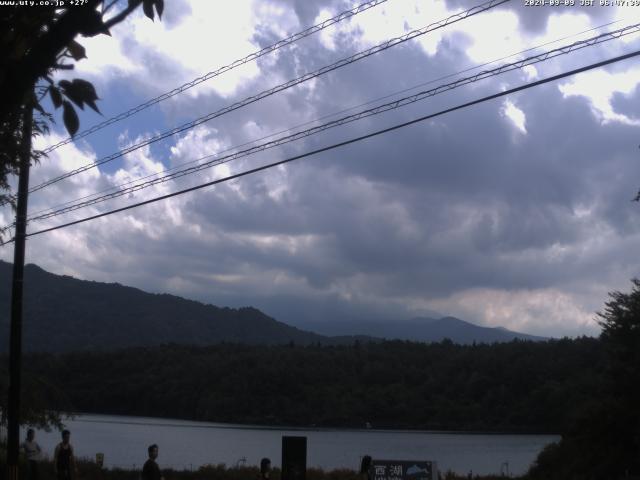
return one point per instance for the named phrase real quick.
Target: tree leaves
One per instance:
(147, 7)
(86, 91)
(93, 24)
(160, 8)
(80, 92)
(56, 97)
(70, 117)
(46, 37)
(76, 50)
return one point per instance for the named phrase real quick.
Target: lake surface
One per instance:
(188, 445)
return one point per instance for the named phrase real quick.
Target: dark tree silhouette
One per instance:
(603, 441)
(620, 336)
(35, 42)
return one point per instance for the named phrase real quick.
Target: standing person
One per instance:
(265, 468)
(33, 453)
(151, 471)
(64, 461)
(365, 465)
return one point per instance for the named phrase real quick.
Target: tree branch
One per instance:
(108, 7)
(43, 53)
(123, 14)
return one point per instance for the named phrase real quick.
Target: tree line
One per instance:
(518, 386)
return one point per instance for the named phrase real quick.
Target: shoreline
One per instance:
(181, 423)
(186, 445)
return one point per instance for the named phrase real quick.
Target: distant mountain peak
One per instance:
(425, 329)
(63, 313)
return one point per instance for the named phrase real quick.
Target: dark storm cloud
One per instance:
(627, 104)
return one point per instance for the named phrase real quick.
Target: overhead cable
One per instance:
(344, 143)
(266, 93)
(532, 60)
(323, 117)
(208, 76)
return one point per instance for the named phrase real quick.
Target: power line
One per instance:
(208, 76)
(266, 93)
(340, 63)
(444, 77)
(347, 142)
(532, 60)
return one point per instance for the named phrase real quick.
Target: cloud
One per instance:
(514, 114)
(514, 212)
(534, 18)
(537, 312)
(174, 51)
(599, 87)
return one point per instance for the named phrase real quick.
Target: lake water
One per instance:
(188, 445)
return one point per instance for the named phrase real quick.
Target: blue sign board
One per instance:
(402, 470)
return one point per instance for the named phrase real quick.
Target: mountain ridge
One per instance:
(63, 313)
(426, 329)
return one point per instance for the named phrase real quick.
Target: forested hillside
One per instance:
(518, 386)
(63, 313)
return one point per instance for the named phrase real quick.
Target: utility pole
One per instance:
(15, 345)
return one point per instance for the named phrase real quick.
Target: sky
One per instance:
(516, 212)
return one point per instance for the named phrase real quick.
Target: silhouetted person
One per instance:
(365, 465)
(265, 468)
(64, 461)
(151, 471)
(33, 454)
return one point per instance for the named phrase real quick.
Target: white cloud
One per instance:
(531, 311)
(599, 87)
(174, 54)
(202, 42)
(515, 115)
(531, 72)
(196, 144)
(105, 56)
(494, 34)
(563, 24)
(66, 159)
